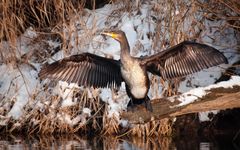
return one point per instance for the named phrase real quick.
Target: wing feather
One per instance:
(74, 78)
(83, 73)
(92, 75)
(183, 59)
(85, 69)
(68, 73)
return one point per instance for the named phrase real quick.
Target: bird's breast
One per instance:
(136, 78)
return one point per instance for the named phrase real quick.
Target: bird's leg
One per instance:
(131, 105)
(148, 104)
(131, 101)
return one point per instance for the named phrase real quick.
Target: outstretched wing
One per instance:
(85, 69)
(183, 59)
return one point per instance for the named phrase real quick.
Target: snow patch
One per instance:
(197, 93)
(18, 84)
(66, 92)
(204, 116)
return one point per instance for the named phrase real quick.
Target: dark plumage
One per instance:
(91, 70)
(183, 59)
(85, 69)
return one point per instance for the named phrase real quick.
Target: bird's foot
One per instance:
(148, 106)
(134, 107)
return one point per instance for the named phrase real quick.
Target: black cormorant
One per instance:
(91, 70)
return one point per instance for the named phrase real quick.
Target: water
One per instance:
(74, 141)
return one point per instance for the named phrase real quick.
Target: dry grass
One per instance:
(43, 16)
(110, 125)
(153, 128)
(223, 10)
(52, 118)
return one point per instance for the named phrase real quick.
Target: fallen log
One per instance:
(216, 99)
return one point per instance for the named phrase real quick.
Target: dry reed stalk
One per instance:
(110, 125)
(223, 10)
(46, 120)
(153, 128)
(17, 16)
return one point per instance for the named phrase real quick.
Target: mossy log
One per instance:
(216, 99)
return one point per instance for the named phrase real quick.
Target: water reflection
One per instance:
(73, 141)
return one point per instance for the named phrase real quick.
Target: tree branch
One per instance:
(216, 99)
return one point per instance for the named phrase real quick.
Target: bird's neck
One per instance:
(125, 49)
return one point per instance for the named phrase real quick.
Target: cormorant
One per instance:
(91, 70)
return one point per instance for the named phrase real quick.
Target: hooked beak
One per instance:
(109, 33)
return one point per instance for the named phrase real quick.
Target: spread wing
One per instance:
(183, 59)
(85, 69)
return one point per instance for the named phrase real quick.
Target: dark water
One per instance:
(69, 142)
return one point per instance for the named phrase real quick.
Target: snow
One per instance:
(80, 119)
(194, 94)
(59, 55)
(66, 91)
(19, 88)
(128, 28)
(87, 111)
(18, 85)
(116, 102)
(203, 116)
(124, 123)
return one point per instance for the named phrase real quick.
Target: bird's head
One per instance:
(115, 34)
